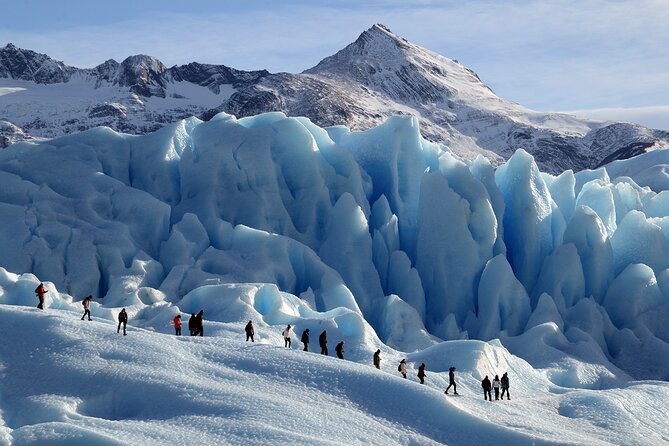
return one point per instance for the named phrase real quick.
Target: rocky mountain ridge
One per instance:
(377, 76)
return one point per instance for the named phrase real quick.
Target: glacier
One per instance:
(383, 223)
(380, 237)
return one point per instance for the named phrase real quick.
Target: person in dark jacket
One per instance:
(505, 386)
(451, 381)
(199, 324)
(340, 350)
(377, 359)
(122, 319)
(305, 340)
(323, 342)
(421, 373)
(87, 307)
(249, 331)
(192, 324)
(487, 387)
(402, 368)
(40, 291)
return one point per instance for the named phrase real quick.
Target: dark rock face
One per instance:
(377, 76)
(27, 65)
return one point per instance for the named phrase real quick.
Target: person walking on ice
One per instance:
(199, 323)
(192, 324)
(505, 386)
(305, 340)
(286, 337)
(122, 319)
(87, 305)
(177, 325)
(40, 291)
(495, 385)
(323, 342)
(340, 350)
(421, 373)
(402, 368)
(451, 381)
(249, 331)
(487, 395)
(377, 359)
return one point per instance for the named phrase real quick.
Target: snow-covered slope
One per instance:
(67, 381)
(377, 76)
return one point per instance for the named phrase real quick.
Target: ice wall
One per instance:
(381, 223)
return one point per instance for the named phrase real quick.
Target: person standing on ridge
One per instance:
(40, 291)
(199, 324)
(249, 331)
(340, 350)
(421, 373)
(87, 305)
(192, 324)
(305, 339)
(495, 385)
(451, 381)
(323, 342)
(177, 325)
(402, 368)
(505, 386)
(122, 319)
(487, 386)
(286, 337)
(377, 359)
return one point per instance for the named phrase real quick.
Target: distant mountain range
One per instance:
(378, 75)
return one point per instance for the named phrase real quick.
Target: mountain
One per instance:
(377, 76)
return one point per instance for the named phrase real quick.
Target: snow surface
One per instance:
(380, 237)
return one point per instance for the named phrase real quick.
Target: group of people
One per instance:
(496, 384)
(195, 324)
(196, 328)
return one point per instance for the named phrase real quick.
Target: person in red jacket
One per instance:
(177, 324)
(41, 291)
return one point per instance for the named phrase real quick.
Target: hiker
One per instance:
(421, 373)
(505, 386)
(340, 350)
(305, 339)
(402, 368)
(495, 385)
(192, 324)
(199, 325)
(40, 291)
(286, 337)
(451, 381)
(249, 331)
(87, 305)
(122, 319)
(323, 342)
(177, 325)
(487, 386)
(377, 359)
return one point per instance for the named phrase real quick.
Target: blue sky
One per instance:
(602, 58)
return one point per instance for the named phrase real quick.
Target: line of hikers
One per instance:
(196, 328)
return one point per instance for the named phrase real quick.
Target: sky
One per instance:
(606, 59)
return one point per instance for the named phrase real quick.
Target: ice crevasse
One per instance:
(379, 230)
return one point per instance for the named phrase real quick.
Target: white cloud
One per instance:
(655, 117)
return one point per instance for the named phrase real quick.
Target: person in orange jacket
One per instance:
(40, 291)
(177, 324)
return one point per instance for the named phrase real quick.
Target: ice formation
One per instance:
(378, 231)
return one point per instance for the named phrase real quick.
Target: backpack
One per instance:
(399, 367)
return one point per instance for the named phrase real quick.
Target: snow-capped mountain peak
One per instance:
(377, 76)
